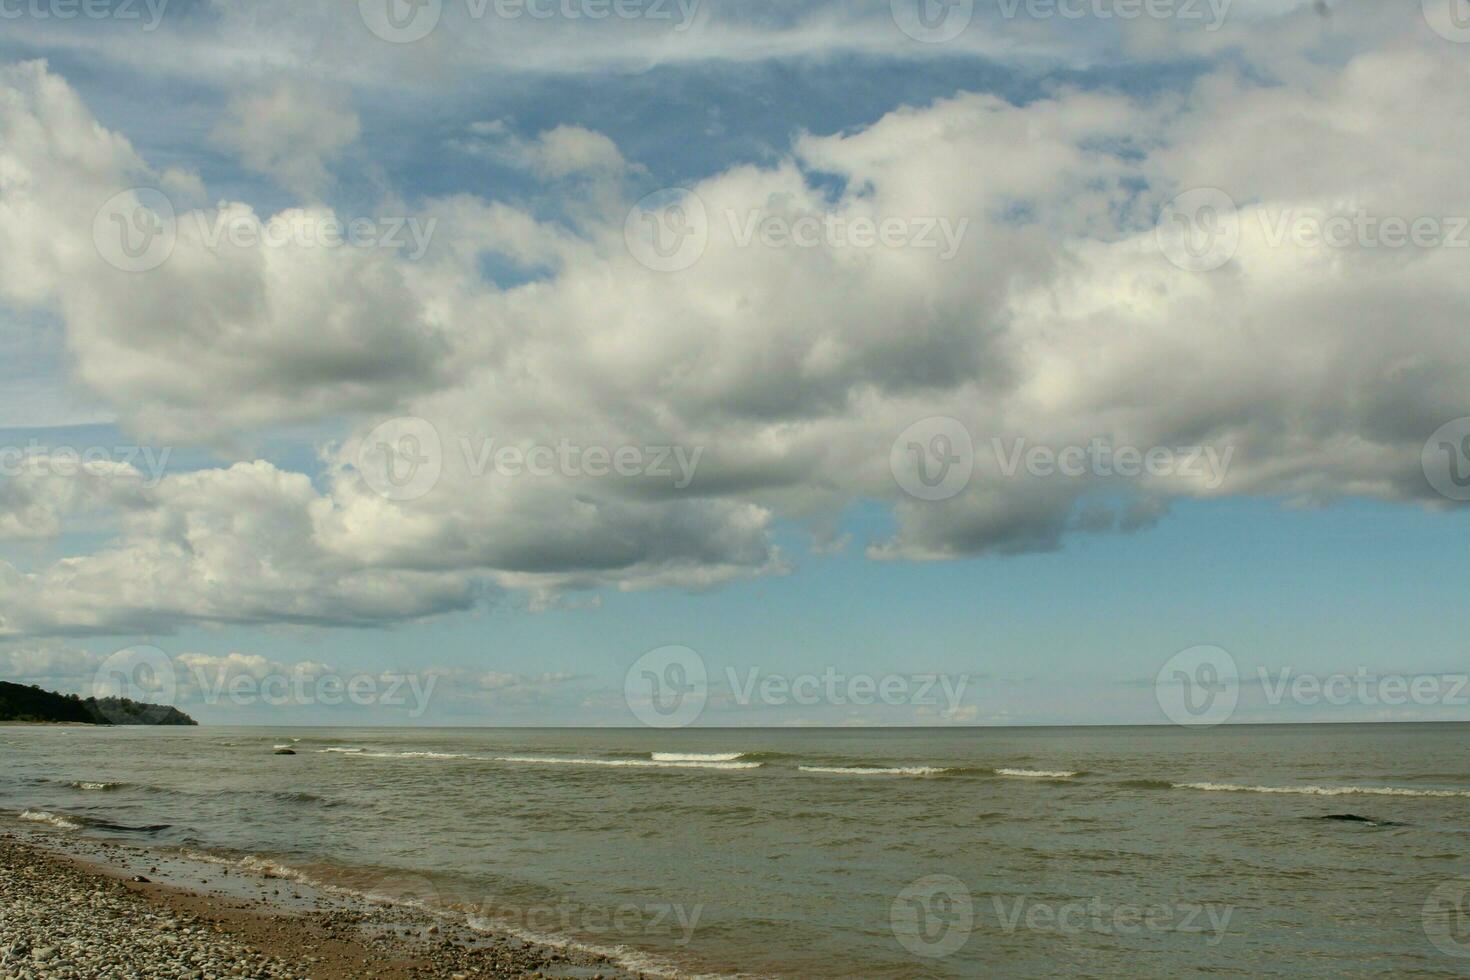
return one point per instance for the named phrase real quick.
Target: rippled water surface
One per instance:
(896, 853)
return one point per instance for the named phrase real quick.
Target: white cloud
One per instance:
(556, 153)
(792, 370)
(290, 132)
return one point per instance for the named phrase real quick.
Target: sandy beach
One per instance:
(71, 910)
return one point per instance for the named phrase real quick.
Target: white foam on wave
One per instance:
(342, 749)
(877, 770)
(1321, 790)
(96, 787)
(630, 959)
(630, 763)
(1037, 773)
(696, 756)
(639, 963)
(57, 820)
(366, 754)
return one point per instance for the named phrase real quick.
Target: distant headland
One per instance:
(19, 703)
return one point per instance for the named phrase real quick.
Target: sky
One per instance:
(581, 362)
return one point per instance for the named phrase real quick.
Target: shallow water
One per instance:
(895, 853)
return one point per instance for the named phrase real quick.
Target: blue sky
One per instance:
(260, 376)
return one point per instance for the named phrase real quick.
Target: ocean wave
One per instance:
(58, 820)
(1039, 773)
(640, 963)
(877, 770)
(697, 756)
(1321, 790)
(96, 787)
(344, 750)
(630, 959)
(631, 763)
(366, 754)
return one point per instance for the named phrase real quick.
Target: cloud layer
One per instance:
(664, 381)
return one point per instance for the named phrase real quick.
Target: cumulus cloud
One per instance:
(230, 319)
(290, 132)
(555, 153)
(1027, 296)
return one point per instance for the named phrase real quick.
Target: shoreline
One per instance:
(154, 914)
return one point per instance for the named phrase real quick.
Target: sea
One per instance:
(1312, 850)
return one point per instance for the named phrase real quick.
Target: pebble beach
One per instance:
(93, 917)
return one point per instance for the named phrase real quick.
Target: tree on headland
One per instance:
(19, 702)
